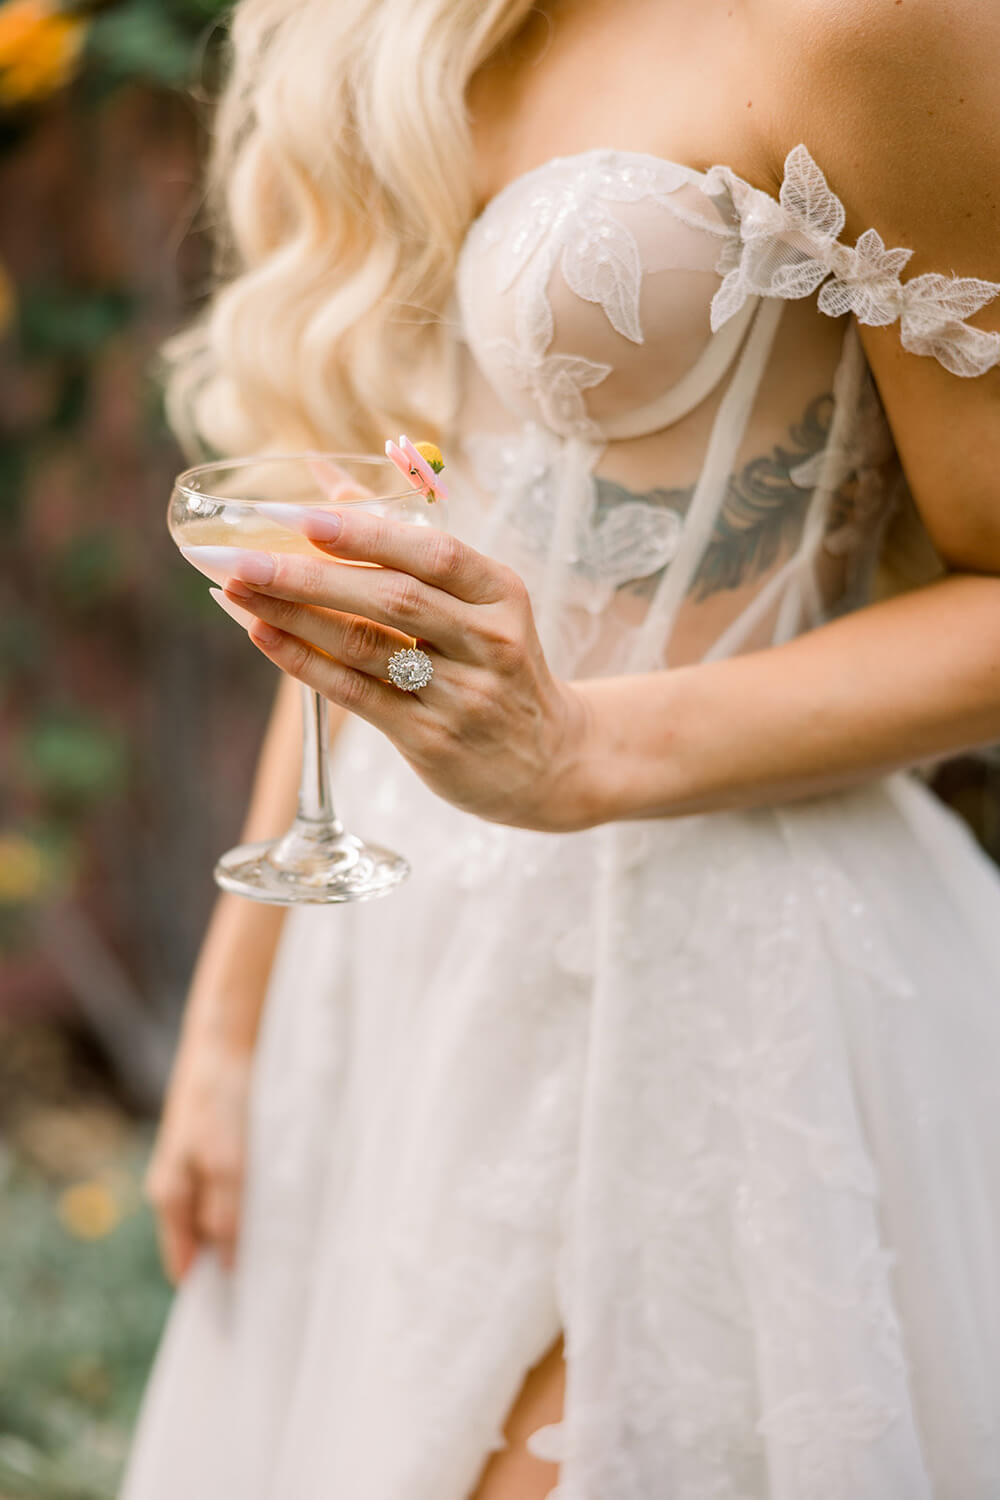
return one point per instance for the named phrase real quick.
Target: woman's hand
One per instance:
(494, 732)
(195, 1175)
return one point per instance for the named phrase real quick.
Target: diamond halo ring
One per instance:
(410, 669)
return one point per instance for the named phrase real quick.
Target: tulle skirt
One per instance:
(714, 1095)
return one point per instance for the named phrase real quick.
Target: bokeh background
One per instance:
(131, 710)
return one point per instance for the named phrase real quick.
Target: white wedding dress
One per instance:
(716, 1095)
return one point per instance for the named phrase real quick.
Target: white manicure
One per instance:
(241, 616)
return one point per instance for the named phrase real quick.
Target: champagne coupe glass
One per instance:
(220, 504)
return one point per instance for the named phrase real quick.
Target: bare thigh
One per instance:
(514, 1473)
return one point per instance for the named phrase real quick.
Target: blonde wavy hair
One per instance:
(340, 186)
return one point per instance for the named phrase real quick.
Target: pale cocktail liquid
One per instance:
(237, 524)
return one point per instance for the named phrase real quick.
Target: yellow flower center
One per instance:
(431, 453)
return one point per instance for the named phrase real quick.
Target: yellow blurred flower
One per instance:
(22, 869)
(39, 49)
(7, 301)
(89, 1210)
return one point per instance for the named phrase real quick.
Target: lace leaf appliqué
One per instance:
(602, 265)
(931, 314)
(867, 280)
(611, 542)
(555, 381)
(806, 196)
(568, 221)
(789, 247)
(821, 1433)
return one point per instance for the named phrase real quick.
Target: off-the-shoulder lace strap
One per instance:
(787, 247)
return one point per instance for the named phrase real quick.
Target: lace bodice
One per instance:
(680, 447)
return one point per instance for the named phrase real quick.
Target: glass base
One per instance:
(298, 868)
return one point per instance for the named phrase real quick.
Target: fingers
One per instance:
(398, 600)
(352, 639)
(435, 557)
(218, 1214)
(383, 705)
(179, 1244)
(194, 1207)
(171, 1190)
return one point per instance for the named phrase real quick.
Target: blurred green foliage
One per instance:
(118, 680)
(78, 1323)
(75, 760)
(130, 709)
(54, 321)
(156, 40)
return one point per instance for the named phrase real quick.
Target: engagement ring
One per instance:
(410, 669)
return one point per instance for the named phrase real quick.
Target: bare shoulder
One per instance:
(924, 42)
(896, 100)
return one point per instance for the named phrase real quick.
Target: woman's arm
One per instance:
(495, 733)
(902, 681)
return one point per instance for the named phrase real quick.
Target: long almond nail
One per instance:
(318, 525)
(241, 616)
(251, 567)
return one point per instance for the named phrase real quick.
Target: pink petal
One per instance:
(418, 462)
(399, 458)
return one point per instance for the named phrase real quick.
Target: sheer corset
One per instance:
(681, 450)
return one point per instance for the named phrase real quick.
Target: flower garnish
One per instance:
(432, 453)
(421, 463)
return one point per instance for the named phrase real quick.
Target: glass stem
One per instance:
(315, 797)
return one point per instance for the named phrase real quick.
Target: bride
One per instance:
(643, 1144)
